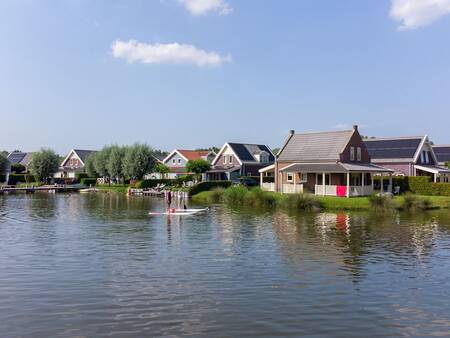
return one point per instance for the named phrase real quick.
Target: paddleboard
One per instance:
(174, 213)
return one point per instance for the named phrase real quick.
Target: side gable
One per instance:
(425, 146)
(225, 150)
(356, 142)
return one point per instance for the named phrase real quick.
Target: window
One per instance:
(179, 160)
(230, 159)
(422, 157)
(290, 177)
(427, 159)
(224, 159)
(173, 161)
(352, 153)
(358, 154)
(303, 177)
(264, 158)
(320, 181)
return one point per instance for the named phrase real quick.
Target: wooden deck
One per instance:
(47, 188)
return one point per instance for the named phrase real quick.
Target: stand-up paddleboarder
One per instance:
(169, 200)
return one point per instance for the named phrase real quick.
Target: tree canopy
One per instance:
(138, 161)
(161, 168)
(44, 164)
(4, 163)
(198, 166)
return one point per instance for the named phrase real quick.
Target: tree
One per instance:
(89, 165)
(138, 161)
(114, 163)
(18, 168)
(44, 164)
(162, 169)
(4, 163)
(100, 161)
(275, 151)
(198, 167)
(4, 152)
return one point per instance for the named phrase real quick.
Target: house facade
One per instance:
(22, 158)
(235, 160)
(326, 163)
(177, 160)
(73, 163)
(407, 156)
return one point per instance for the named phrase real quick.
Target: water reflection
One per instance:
(99, 265)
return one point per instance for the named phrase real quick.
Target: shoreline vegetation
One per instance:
(257, 198)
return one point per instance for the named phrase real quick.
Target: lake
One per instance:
(98, 265)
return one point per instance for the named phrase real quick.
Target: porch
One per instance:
(327, 179)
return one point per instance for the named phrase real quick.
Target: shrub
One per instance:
(179, 181)
(301, 202)
(29, 178)
(88, 181)
(17, 168)
(412, 202)
(235, 195)
(381, 202)
(208, 185)
(146, 184)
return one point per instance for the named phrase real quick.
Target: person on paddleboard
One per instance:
(169, 200)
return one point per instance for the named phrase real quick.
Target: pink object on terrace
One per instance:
(341, 191)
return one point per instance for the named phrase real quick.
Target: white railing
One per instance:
(355, 190)
(292, 188)
(268, 186)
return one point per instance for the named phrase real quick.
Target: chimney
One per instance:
(291, 132)
(355, 127)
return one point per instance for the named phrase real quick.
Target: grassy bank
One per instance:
(116, 188)
(258, 198)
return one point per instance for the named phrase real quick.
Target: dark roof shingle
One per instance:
(395, 148)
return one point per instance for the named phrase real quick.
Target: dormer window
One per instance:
(358, 154)
(352, 153)
(230, 159)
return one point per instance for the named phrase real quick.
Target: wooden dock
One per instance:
(46, 188)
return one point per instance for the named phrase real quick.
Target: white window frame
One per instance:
(352, 153)
(427, 159)
(230, 159)
(303, 177)
(358, 154)
(291, 179)
(224, 159)
(173, 161)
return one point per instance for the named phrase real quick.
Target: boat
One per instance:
(87, 190)
(178, 212)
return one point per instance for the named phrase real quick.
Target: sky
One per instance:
(199, 73)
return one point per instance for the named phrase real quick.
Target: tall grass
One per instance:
(259, 198)
(235, 195)
(381, 202)
(216, 195)
(300, 202)
(413, 203)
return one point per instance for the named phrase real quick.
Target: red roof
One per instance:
(193, 154)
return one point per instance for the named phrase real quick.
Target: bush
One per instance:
(208, 185)
(146, 184)
(412, 202)
(17, 168)
(179, 181)
(300, 202)
(88, 181)
(420, 185)
(381, 202)
(29, 178)
(235, 195)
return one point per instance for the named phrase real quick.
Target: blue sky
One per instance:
(197, 73)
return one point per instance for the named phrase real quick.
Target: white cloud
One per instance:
(175, 53)
(201, 7)
(416, 13)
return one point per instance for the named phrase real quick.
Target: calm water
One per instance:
(99, 266)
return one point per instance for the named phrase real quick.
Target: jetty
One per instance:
(44, 188)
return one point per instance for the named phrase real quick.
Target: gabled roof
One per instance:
(315, 147)
(80, 153)
(394, 148)
(18, 157)
(246, 152)
(442, 153)
(189, 155)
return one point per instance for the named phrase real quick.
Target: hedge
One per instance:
(400, 181)
(421, 185)
(144, 184)
(88, 181)
(208, 185)
(20, 178)
(80, 176)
